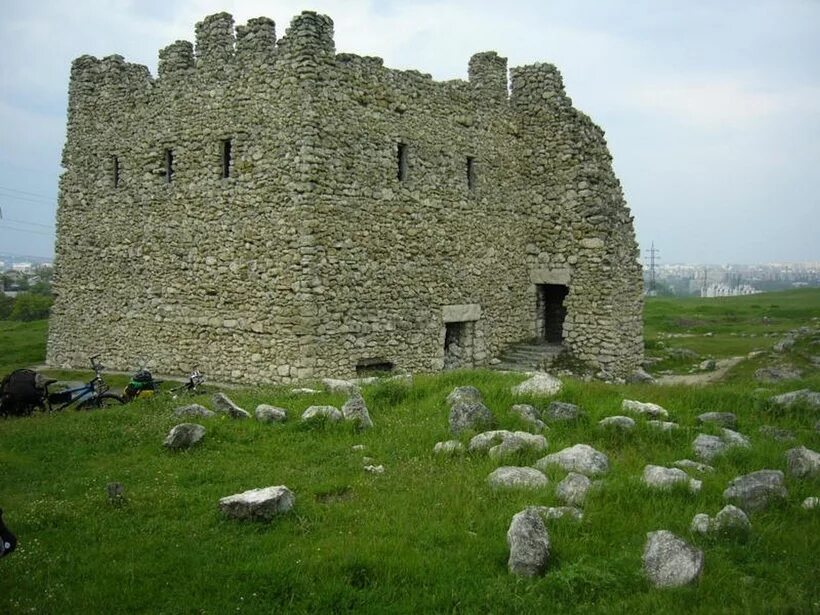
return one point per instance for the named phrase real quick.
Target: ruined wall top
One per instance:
(225, 51)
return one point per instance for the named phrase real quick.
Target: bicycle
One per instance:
(94, 394)
(144, 385)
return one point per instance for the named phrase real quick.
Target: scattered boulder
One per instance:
(270, 414)
(355, 410)
(562, 411)
(515, 477)
(708, 447)
(379, 469)
(777, 374)
(223, 404)
(693, 465)
(669, 561)
(733, 438)
(529, 544)
(464, 394)
(305, 391)
(541, 383)
(803, 462)
(653, 411)
(470, 415)
(258, 504)
(518, 440)
(731, 519)
(724, 419)
(358, 447)
(701, 524)
(184, 435)
(339, 386)
(328, 413)
(639, 376)
(811, 503)
(662, 425)
(621, 422)
(486, 439)
(776, 433)
(580, 458)
(659, 477)
(529, 414)
(784, 344)
(754, 491)
(448, 447)
(683, 353)
(803, 396)
(193, 410)
(708, 365)
(573, 489)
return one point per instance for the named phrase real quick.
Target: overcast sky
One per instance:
(711, 107)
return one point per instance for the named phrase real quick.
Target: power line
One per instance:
(24, 230)
(42, 196)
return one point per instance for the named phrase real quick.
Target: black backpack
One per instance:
(21, 392)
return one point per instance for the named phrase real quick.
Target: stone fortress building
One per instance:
(275, 211)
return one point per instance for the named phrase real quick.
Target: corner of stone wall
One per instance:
(536, 87)
(214, 42)
(309, 35)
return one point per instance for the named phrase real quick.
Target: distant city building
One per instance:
(722, 290)
(22, 267)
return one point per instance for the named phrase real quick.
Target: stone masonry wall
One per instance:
(313, 256)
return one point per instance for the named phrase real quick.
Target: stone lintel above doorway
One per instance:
(461, 313)
(551, 276)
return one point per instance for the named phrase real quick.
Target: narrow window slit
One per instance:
(470, 173)
(169, 165)
(115, 171)
(402, 161)
(226, 158)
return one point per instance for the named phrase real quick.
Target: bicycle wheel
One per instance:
(103, 401)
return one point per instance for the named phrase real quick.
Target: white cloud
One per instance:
(729, 103)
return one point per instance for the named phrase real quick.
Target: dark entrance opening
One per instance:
(458, 344)
(551, 312)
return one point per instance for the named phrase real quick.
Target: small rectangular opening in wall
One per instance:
(458, 344)
(169, 165)
(470, 173)
(115, 171)
(374, 366)
(226, 158)
(402, 161)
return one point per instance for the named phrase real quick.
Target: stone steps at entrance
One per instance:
(528, 356)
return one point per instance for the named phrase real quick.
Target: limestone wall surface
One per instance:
(364, 208)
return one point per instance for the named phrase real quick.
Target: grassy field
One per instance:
(428, 535)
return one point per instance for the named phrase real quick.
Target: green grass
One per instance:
(22, 344)
(426, 536)
(723, 327)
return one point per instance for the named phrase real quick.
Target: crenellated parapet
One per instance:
(215, 42)
(175, 59)
(537, 87)
(256, 42)
(309, 35)
(488, 75)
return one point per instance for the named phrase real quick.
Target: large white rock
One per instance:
(708, 447)
(194, 410)
(464, 393)
(693, 465)
(649, 409)
(573, 489)
(754, 491)
(515, 477)
(529, 544)
(731, 518)
(225, 405)
(329, 413)
(258, 504)
(809, 398)
(469, 415)
(550, 513)
(355, 410)
(541, 383)
(668, 561)
(270, 414)
(529, 414)
(184, 435)
(514, 440)
(580, 458)
(621, 422)
(339, 386)
(803, 462)
(659, 477)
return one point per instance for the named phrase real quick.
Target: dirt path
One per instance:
(722, 366)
